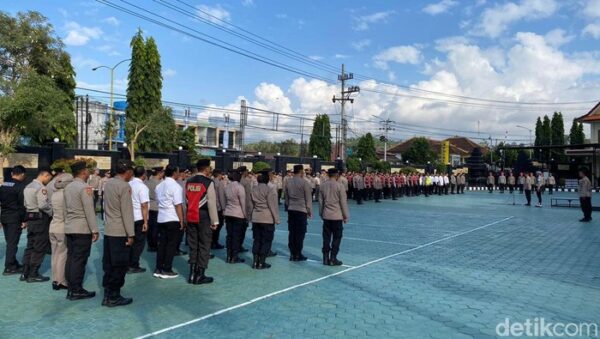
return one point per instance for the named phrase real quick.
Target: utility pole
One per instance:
(301, 135)
(243, 123)
(226, 133)
(386, 128)
(345, 97)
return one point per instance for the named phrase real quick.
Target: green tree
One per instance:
(288, 147)
(420, 152)
(365, 149)
(538, 136)
(160, 136)
(260, 166)
(557, 135)
(353, 164)
(144, 98)
(320, 138)
(546, 136)
(581, 133)
(186, 138)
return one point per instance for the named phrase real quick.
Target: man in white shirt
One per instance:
(169, 196)
(446, 184)
(140, 196)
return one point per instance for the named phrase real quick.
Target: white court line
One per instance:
(358, 239)
(291, 288)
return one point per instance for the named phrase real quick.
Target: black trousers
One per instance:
(169, 237)
(38, 242)
(376, 195)
(152, 234)
(115, 262)
(78, 252)
(216, 234)
(551, 189)
(539, 195)
(263, 235)
(501, 187)
(235, 229)
(528, 196)
(332, 236)
(586, 207)
(138, 244)
(511, 188)
(245, 225)
(521, 188)
(200, 238)
(297, 222)
(358, 195)
(490, 188)
(12, 234)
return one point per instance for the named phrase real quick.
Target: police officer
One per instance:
(491, 182)
(246, 182)
(235, 214)
(358, 183)
(152, 234)
(333, 209)
(511, 183)
(265, 214)
(12, 217)
(298, 200)
(80, 229)
(221, 203)
(140, 198)
(377, 187)
(202, 220)
(39, 214)
(57, 231)
(585, 195)
(119, 233)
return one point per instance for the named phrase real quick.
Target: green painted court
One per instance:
(440, 267)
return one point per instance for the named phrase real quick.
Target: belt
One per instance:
(31, 216)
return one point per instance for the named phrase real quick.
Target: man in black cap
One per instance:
(13, 217)
(298, 200)
(333, 208)
(202, 220)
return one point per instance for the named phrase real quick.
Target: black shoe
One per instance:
(201, 278)
(301, 258)
(133, 270)
(243, 250)
(271, 254)
(236, 260)
(168, 274)
(35, 276)
(56, 286)
(262, 265)
(334, 262)
(118, 301)
(255, 261)
(292, 258)
(326, 258)
(585, 220)
(211, 256)
(217, 246)
(13, 271)
(79, 295)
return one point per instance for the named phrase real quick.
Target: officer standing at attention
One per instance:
(298, 200)
(502, 182)
(265, 214)
(511, 183)
(140, 198)
(585, 195)
(12, 218)
(358, 183)
(39, 214)
(119, 233)
(202, 220)
(235, 214)
(80, 229)
(152, 234)
(377, 187)
(490, 182)
(57, 232)
(246, 182)
(333, 209)
(221, 203)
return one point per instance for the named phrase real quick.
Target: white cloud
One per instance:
(316, 57)
(363, 22)
(592, 8)
(495, 20)
(213, 13)
(397, 54)
(558, 37)
(120, 85)
(281, 16)
(592, 29)
(111, 20)
(109, 50)
(168, 73)
(247, 3)
(341, 56)
(361, 44)
(78, 35)
(439, 7)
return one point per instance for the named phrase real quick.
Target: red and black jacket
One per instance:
(196, 189)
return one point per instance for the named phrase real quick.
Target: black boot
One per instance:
(25, 273)
(35, 276)
(115, 299)
(192, 277)
(262, 264)
(80, 294)
(333, 261)
(201, 278)
(229, 256)
(256, 261)
(326, 258)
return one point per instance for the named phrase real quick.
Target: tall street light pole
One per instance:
(112, 109)
(530, 143)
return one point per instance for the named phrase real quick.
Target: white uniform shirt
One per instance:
(168, 194)
(446, 180)
(139, 195)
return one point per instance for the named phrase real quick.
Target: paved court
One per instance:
(440, 267)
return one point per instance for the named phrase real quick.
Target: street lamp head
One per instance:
(180, 148)
(56, 140)
(95, 68)
(259, 153)
(278, 154)
(314, 156)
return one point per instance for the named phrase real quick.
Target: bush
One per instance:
(65, 164)
(260, 166)
(139, 161)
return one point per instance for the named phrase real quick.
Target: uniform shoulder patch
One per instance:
(44, 191)
(89, 190)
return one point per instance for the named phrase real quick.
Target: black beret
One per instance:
(78, 166)
(242, 169)
(298, 168)
(333, 171)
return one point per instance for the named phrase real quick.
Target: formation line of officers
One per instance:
(59, 215)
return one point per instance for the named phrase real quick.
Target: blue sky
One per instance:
(539, 51)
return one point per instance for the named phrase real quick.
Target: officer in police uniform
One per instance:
(81, 230)
(333, 209)
(246, 182)
(119, 233)
(221, 203)
(12, 217)
(38, 216)
(298, 199)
